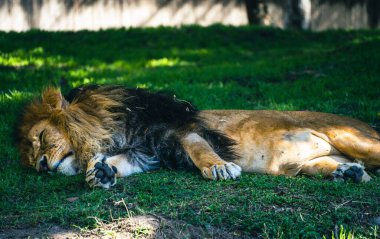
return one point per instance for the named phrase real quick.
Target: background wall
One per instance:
(21, 15)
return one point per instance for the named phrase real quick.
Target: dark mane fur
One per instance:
(154, 124)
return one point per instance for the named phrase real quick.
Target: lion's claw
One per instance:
(222, 172)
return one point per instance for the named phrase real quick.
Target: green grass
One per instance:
(214, 67)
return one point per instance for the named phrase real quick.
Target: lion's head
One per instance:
(60, 136)
(48, 149)
(44, 145)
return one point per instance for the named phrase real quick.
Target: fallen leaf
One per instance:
(73, 199)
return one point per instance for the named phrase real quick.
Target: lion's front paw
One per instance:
(102, 175)
(222, 171)
(352, 171)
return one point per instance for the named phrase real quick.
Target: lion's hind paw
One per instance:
(352, 171)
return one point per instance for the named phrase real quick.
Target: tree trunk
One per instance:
(294, 15)
(373, 11)
(253, 11)
(298, 14)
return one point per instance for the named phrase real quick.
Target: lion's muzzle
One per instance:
(42, 164)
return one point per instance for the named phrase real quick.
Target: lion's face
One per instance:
(50, 151)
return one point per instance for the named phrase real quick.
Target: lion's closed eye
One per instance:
(41, 136)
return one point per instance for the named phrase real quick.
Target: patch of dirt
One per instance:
(39, 232)
(147, 227)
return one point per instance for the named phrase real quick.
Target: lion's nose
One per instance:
(43, 163)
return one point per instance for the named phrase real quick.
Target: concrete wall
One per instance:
(21, 15)
(335, 15)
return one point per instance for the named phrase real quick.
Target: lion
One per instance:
(109, 132)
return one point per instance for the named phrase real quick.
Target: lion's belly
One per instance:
(280, 152)
(269, 142)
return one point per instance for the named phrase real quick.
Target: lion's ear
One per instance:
(54, 98)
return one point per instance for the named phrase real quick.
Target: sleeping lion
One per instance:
(111, 131)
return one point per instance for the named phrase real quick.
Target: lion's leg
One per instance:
(207, 161)
(357, 144)
(124, 167)
(338, 167)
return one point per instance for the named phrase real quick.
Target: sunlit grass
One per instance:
(33, 58)
(167, 62)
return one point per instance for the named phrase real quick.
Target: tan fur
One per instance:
(323, 165)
